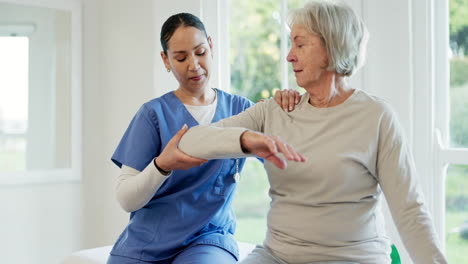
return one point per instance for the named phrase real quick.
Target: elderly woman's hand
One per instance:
(287, 99)
(268, 147)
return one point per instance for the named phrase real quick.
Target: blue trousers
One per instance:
(199, 254)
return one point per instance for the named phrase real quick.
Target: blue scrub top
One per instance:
(192, 206)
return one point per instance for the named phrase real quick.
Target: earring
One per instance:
(168, 70)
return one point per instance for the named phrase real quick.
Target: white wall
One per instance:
(93, 126)
(40, 223)
(118, 69)
(389, 64)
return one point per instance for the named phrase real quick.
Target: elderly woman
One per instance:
(327, 209)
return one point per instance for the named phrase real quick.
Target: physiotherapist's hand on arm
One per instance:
(171, 158)
(287, 99)
(268, 148)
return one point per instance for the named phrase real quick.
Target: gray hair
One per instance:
(341, 29)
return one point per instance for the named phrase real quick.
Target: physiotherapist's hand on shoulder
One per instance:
(268, 147)
(172, 158)
(287, 99)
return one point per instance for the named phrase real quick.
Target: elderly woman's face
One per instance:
(308, 56)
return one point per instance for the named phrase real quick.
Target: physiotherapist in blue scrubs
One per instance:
(180, 206)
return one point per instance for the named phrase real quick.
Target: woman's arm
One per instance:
(398, 180)
(134, 189)
(223, 139)
(171, 158)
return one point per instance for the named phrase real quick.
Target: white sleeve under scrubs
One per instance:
(190, 207)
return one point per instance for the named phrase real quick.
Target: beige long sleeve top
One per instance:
(328, 208)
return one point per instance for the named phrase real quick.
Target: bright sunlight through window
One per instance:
(14, 64)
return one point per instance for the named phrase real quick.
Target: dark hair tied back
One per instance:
(176, 21)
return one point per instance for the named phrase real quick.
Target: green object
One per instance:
(395, 256)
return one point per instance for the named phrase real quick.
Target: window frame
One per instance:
(431, 71)
(219, 11)
(59, 175)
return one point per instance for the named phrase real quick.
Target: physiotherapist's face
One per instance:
(189, 57)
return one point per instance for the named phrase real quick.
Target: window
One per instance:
(255, 41)
(259, 42)
(456, 223)
(442, 88)
(40, 101)
(456, 187)
(14, 67)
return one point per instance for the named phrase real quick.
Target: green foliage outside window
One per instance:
(456, 219)
(255, 48)
(456, 225)
(255, 58)
(255, 73)
(459, 72)
(459, 26)
(459, 115)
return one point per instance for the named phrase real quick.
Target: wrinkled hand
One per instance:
(268, 147)
(287, 99)
(172, 158)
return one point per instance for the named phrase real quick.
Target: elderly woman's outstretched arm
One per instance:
(238, 136)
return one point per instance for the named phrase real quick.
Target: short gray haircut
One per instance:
(341, 29)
